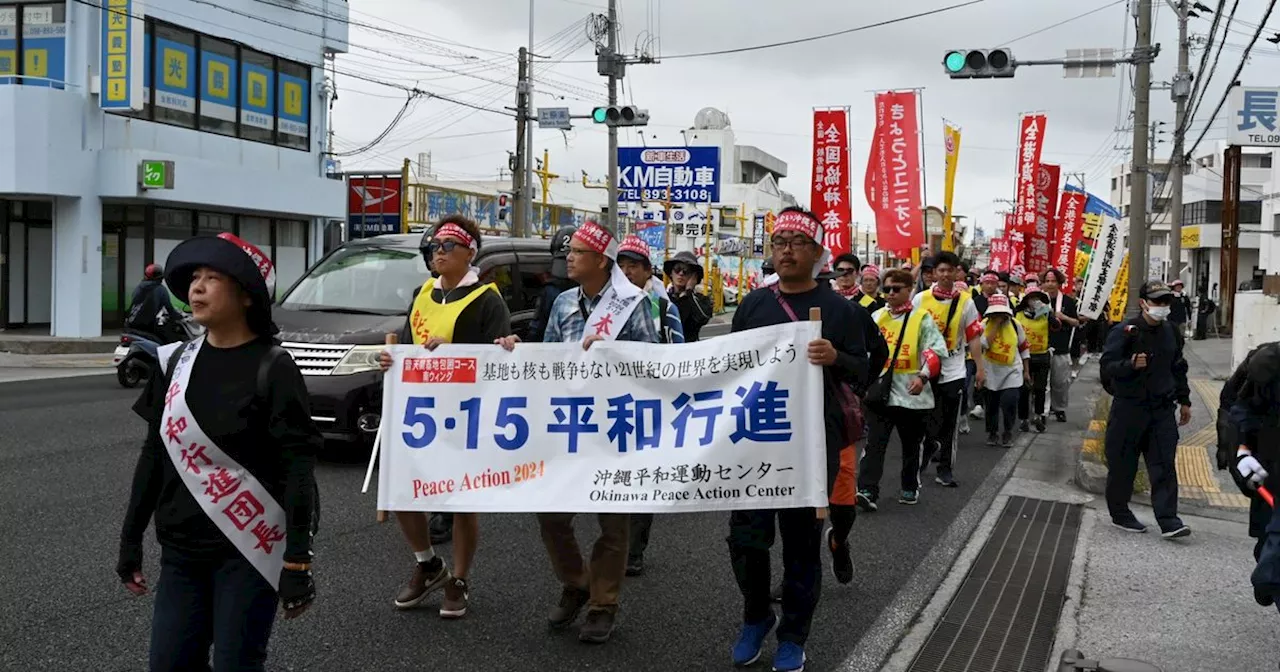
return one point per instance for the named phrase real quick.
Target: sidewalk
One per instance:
(1184, 605)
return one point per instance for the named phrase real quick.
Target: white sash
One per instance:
(611, 314)
(241, 507)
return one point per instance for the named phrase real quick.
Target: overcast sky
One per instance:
(769, 94)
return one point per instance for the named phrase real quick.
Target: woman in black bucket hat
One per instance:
(226, 469)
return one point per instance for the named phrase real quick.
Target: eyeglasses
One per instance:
(890, 289)
(846, 270)
(681, 270)
(578, 252)
(792, 243)
(447, 246)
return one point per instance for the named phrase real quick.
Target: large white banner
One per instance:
(1104, 266)
(727, 423)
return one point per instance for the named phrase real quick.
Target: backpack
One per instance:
(262, 392)
(1131, 336)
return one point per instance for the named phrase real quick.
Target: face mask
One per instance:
(1036, 304)
(1158, 313)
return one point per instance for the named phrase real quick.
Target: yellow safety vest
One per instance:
(890, 327)
(865, 300)
(939, 311)
(1002, 348)
(430, 318)
(1037, 330)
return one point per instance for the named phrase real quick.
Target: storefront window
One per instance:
(40, 53)
(172, 227)
(257, 96)
(256, 230)
(218, 86)
(174, 55)
(295, 105)
(213, 223)
(291, 252)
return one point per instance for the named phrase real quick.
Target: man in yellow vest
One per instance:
(454, 307)
(869, 291)
(1037, 320)
(956, 317)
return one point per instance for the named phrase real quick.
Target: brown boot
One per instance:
(427, 577)
(572, 600)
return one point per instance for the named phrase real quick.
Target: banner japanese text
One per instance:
(951, 139)
(830, 195)
(1041, 236)
(1120, 291)
(1030, 142)
(999, 255)
(1067, 238)
(893, 174)
(1104, 263)
(622, 427)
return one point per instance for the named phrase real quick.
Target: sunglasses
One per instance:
(447, 246)
(681, 270)
(846, 270)
(893, 288)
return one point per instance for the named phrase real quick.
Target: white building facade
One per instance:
(230, 116)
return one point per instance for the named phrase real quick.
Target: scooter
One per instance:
(138, 352)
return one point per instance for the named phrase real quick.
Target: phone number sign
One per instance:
(675, 174)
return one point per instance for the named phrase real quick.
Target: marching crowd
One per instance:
(226, 466)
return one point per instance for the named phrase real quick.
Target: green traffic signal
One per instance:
(600, 115)
(954, 61)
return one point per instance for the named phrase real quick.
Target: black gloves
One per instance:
(297, 588)
(130, 561)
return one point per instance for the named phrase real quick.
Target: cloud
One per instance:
(768, 94)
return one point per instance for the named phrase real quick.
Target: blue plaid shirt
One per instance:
(568, 319)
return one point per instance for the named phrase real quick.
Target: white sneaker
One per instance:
(977, 413)
(964, 425)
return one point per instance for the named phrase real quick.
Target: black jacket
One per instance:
(1163, 381)
(695, 312)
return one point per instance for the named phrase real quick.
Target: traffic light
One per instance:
(979, 63)
(504, 206)
(620, 115)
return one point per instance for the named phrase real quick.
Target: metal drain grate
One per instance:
(1005, 614)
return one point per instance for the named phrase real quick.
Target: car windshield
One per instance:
(360, 279)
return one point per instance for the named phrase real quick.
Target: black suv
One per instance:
(334, 320)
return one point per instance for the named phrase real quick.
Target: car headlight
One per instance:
(359, 359)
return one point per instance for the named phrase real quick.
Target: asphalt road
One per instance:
(67, 450)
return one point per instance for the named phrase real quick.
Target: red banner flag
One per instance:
(1030, 141)
(999, 255)
(830, 196)
(1069, 230)
(1046, 207)
(893, 173)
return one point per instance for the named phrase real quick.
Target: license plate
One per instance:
(119, 354)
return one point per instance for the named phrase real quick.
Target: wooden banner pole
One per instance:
(392, 339)
(815, 315)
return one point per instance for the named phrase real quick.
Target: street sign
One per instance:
(1089, 63)
(554, 118)
(677, 174)
(373, 204)
(1251, 116)
(155, 174)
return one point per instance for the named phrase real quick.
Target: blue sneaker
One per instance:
(789, 658)
(747, 649)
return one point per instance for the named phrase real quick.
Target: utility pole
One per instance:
(1142, 57)
(520, 214)
(616, 73)
(1181, 92)
(528, 130)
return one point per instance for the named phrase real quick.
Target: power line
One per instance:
(1239, 68)
(813, 38)
(1066, 21)
(1216, 57)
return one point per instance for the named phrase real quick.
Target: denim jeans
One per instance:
(201, 602)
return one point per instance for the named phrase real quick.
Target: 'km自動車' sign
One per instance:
(624, 427)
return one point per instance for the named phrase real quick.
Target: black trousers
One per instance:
(1006, 402)
(641, 523)
(751, 535)
(911, 429)
(1133, 430)
(941, 430)
(1038, 389)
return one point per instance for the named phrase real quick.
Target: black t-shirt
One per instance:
(1060, 339)
(981, 302)
(274, 438)
(485, 320)
(840, 325)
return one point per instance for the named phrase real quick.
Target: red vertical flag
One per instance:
(830, 196)
(1030, 141)
(1041, 236)
(893, 173)
(999, 255)
(1070, 228)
